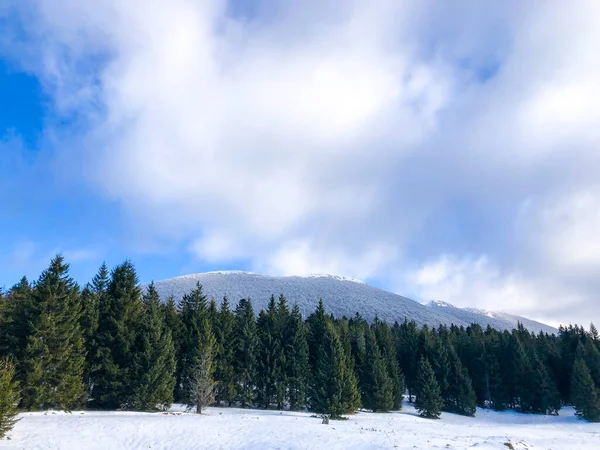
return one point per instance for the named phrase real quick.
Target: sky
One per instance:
(439, 150)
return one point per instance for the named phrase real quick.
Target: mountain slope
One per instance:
(342, 297)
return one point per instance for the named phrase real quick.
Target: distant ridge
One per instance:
(342, 297)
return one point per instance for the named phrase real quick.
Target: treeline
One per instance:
(111, 346)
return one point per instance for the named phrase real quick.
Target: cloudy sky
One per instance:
(441, 150)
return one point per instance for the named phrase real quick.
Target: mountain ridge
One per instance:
(342, 296)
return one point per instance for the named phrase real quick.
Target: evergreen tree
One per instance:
(55, 356)
(120, 316)
(543, 396)
(172, 321)
(407, 341)
(246, 343)
(154, 360)
(334, 388)
(9, 396)
(194, 320)
(429, 399)
(387, 345)
(18, 312)
(91, 298)
(460, 396)
(224, 368)
(297, 367)
(270, 375)
(376, 386)
(583, 392)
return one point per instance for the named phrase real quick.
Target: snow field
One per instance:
(232, 428)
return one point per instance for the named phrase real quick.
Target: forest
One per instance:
(112, 345)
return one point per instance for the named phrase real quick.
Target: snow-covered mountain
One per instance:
(342, 297)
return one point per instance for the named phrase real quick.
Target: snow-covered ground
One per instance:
(225, 428)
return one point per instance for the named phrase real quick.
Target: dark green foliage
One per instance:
(91, 298)
(460, 396)
(224, 364)
(334, 389)
(120, 316)
(387, 345)
(9, 396)
(297, 367)
(429, 399)
(194, 324)
(583, 392)
(270, 375)
(54, 358)
(17, 313)
(245, 352)
(376, 386)
(154, 360)
(407, 342)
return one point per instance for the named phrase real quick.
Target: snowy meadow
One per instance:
(232, 428)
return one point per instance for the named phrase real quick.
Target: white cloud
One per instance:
(344, 137)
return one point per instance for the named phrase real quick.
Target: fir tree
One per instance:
(460, 396)
(543, 397)
(91, 298)
(387, 345)
(583, 392)
(224, 369)
(172, 321)
(376, 386)
(194, 319)
(334, 387)
(17, 315)
(9, 396)
(297, 367)
(407, 340)
(246, 343)
(270, 375)
(429, 399)
(154, 360)
(120, 316)
(55, 356)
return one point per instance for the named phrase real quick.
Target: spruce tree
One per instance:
(54, 358)
(120, 316)
(429, 399)
(460, 396)
(173, 322)
(194, 315)
(270, 358)
(224, 368)
(407, 341)
(543, 396)
(9, 396)
(297, 367)
(154, 359)
(18, 312)
(387, 345)
(246, 343)
(583, 392)
(334, 389)
(376, 386)
(91, 297)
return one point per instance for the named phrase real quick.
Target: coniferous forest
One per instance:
(111, 345)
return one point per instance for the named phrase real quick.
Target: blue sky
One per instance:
(443, 152)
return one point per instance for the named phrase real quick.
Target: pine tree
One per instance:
(543, 396)
(154, 359)
(270, 358)
(91, 298)
(120, 316)
(224, 368)
(387, 345)
(55, 356)
(429, 399)
(17, 315)
(297, 367)
(9, 396)
(460, 396)
(407, 339)
(334, 389)
(376, 386)
(246, 343)
(194, 319)
(583, 392)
